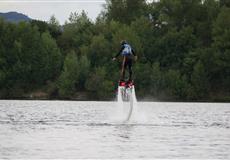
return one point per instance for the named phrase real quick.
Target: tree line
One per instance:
(183, 50)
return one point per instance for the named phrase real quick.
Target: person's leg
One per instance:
(130, 69)
(123, 69)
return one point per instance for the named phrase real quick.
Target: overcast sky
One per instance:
(44, 9)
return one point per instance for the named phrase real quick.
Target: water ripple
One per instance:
(68, 129)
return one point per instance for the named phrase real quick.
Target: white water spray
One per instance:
(123, 113)
(134, 96)
(130, 107)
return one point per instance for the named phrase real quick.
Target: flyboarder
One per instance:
(128, 55)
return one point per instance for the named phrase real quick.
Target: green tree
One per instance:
(124, 11)
(199, 81)
(69, 76)
(99, 51)
(224, 3)
(54, 27)
(74, 74)
(175, 84)
(53, 58)
(84, 70)
(98, 85)
(221, 37)
(76, 32)
(147, 36)
(156, 80)
(173, 47)
(42, 25)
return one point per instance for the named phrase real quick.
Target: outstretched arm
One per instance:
(135, 56)
(133, 52)
(115, 57)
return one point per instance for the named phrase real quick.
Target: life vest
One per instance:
(127, 50)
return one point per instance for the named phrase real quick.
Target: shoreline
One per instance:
(86, 96)
(111, 100)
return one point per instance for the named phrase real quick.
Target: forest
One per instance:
(183, 50)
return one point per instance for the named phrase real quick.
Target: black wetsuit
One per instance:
(127, 61)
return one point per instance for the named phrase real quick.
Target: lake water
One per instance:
(70, 129)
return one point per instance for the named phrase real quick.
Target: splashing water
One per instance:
(138, 114)
(134, 96)
(128, 110)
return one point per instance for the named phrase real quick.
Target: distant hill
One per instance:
(14, 17)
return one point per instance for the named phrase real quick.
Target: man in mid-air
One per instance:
(128, 54)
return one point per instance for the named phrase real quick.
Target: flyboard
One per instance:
(126, 94)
